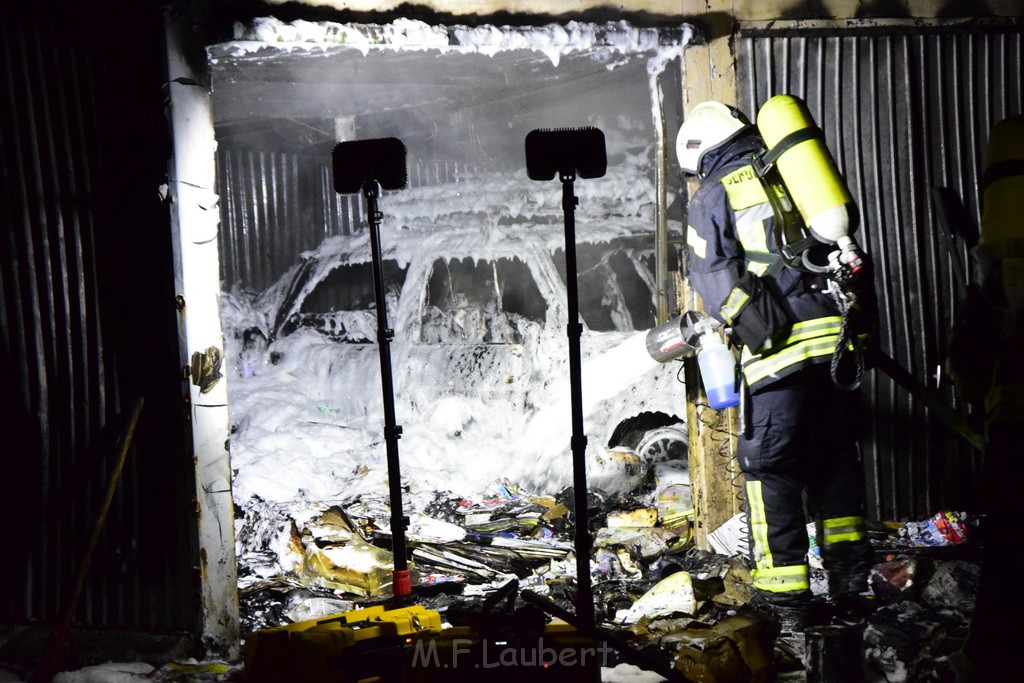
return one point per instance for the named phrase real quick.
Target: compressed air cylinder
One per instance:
(808, 169)
(1002, 217)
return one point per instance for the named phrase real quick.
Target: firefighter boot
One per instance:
(788, 609)
(849, 598)
(848, 565)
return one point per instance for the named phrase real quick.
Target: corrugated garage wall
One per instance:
(275, 205)
(87, 326)
(904, 110)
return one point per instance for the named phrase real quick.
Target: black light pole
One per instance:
(574, 330)
(568, 153)
(370, 166)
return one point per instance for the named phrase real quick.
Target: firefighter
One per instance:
(799, 429)
(986, 362)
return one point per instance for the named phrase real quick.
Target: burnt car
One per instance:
(478, 306)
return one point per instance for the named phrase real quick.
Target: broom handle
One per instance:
(50, 662)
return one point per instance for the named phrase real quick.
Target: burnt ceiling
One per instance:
(296, 99)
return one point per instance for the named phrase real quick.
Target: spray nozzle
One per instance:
(680, 336)
(705, 324)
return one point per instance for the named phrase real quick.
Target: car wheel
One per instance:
(662, 444)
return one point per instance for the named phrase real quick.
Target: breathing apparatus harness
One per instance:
(838, 261)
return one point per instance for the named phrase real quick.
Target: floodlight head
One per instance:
(565, 151)
(357, 161)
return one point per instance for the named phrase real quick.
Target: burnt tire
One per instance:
(660, 444)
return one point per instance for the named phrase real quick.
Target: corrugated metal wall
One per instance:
(86, 327)
(275, 205)
(904, 110)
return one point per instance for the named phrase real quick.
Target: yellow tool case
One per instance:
(361, 646)
(376, 645)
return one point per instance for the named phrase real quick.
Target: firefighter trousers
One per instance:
(802, 449)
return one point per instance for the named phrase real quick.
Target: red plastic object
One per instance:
(402, 584)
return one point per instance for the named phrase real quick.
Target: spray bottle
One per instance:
(717, 371)
(695, 333)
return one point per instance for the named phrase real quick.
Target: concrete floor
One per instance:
(22, 647)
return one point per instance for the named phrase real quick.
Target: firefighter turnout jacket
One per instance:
(802, 429)
(779, 314)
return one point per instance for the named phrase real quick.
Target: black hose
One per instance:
(848, 345)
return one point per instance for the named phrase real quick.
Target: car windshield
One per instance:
(480, 301)
(343, 304)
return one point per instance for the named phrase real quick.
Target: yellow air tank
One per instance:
(1002, 217)
(808, 169)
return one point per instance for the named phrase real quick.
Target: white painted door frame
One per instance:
(195, 221)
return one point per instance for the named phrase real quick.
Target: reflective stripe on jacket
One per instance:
(730, 231)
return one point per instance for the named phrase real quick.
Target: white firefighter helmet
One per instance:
(708, 125)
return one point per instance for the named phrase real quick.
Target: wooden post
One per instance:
(709, 73)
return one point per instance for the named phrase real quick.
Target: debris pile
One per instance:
(927, 595)
(688, 607)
